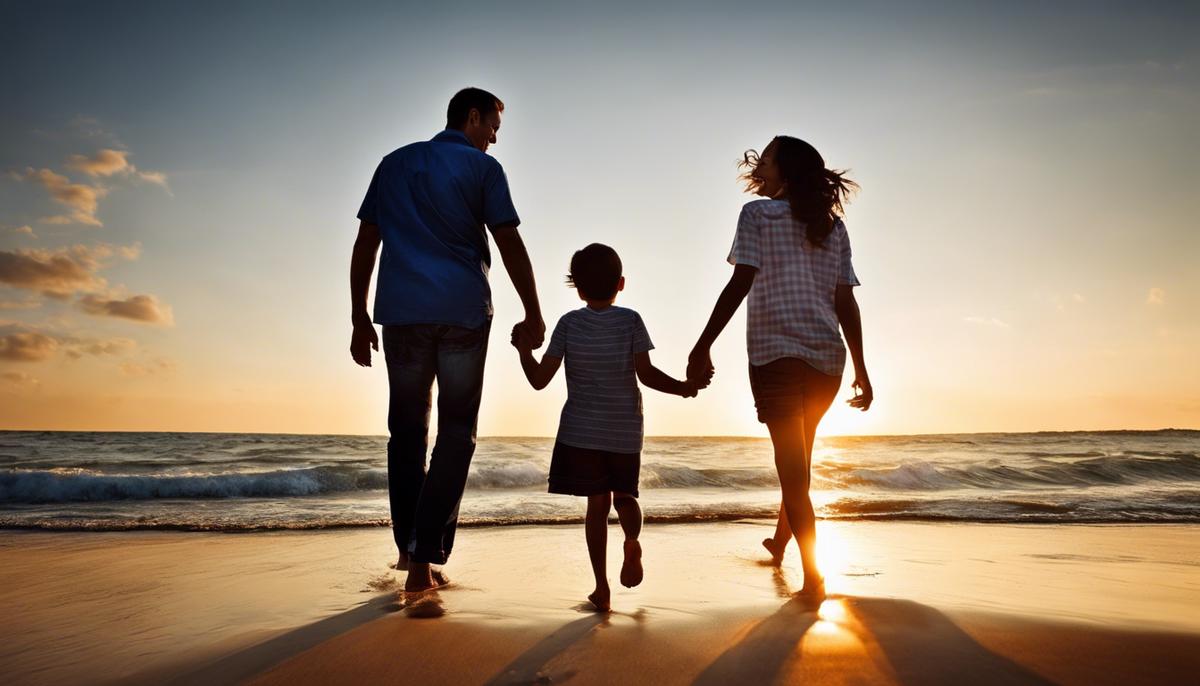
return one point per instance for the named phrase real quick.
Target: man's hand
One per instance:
(362, 340)
(700, 368)
(864, 395)
(520, 340)
(534, 331)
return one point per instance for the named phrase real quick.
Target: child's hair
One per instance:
(815, 193)
(595, 272)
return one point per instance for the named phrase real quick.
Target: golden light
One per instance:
(833, 554)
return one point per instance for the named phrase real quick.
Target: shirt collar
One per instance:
(452, 136)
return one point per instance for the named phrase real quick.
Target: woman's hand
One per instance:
(863, 393)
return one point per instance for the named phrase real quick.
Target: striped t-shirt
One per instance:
(604, 404)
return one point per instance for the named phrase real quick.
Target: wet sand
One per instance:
(910, 603)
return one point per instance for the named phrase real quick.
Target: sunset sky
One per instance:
(179, 184)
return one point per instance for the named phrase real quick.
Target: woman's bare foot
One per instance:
(776, 551)
(813, 591)
(631, 569)
(601, 599)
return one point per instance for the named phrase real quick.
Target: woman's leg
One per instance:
(630, 515)
(813, 413)
(777, 544)
(596, 531)
(792, 464)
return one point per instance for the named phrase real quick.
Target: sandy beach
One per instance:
(910, 603)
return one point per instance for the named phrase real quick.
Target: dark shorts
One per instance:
(790, 387)
(584, 471)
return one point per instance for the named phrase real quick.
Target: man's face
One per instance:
(481, 130)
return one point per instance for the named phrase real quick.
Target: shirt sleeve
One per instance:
(846, 275)
(498, 207)
(369, 211)
(747, 248)
(641, 338)
(558, 339)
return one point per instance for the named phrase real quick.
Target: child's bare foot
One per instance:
(776, 551)
(601, 599)
(631, 569)
(813, 592)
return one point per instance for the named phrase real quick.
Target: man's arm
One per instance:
(653, 377)
(520, 271)
(362, 264)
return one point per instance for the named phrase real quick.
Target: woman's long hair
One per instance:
(815, 193)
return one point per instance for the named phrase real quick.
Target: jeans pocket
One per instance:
(459, 339)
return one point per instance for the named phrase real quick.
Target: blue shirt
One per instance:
(604, 404)
(431, 201)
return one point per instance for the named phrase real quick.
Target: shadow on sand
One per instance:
(527, 668)
(914, 643)
(258, 658)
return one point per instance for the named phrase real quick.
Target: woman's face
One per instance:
(766, 172)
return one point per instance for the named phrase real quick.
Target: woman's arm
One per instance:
(849, 317)
(653, 377)
(700, 361)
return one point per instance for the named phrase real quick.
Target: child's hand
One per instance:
(519, 339)
(690, 388)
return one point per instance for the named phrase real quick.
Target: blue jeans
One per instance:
(424, 503)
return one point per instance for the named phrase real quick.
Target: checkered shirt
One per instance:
(791, 310)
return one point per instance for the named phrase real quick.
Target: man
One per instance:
(428, 204)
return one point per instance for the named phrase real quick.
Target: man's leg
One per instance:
(410, 354)
(460, 357)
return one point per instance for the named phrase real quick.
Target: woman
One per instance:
(791, 255)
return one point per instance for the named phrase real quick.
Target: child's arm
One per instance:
(539, 374)
(653, 377)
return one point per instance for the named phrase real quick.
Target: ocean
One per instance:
(114, 481)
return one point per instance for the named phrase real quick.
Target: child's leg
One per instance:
(630, 515)
(596, 531)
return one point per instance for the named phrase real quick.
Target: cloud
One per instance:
(160, 365)
(19, 379)
(108, 162)
(59, 273)
(81, 198)
(27, 346)
(23, 343)
(1156, 296)
(140, 308)
(110, 346)
(986, 321)
(26, 230)
(27, 304)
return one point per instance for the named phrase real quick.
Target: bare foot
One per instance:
(631, 569)
(402, 563)
(420, 578)
(776, 551)
(813, 592)
(600, 599)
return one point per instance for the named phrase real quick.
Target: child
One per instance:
(598, 450)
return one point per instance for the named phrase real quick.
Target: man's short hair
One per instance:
(469, 99)
(595, 272)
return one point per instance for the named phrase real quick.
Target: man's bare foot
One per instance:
(601, 600)
(420, 578)
(776, 551)
(631, 569)
(402, 563)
